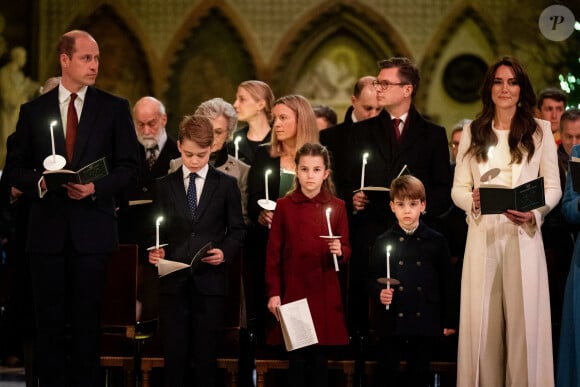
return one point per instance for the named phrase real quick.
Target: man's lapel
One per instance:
(178, 192)
(412, 132)
(209, 186)
(382, 136)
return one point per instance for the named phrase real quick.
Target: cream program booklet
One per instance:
(166, 266)
(297, 325)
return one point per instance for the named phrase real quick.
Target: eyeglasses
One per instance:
(384, 85)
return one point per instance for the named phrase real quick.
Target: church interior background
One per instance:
(187, 51)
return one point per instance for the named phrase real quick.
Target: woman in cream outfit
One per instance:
(505, 331)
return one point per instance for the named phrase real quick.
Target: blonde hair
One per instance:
(259, 90)
(306, 129)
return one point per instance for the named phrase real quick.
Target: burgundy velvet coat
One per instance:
(299, 264)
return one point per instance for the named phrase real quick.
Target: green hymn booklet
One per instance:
(87, 174)
(497, 199)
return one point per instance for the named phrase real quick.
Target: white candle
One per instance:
(236, 144)
(335, 259)
(157, 223)
(389, 262)
(266, 183)
(52, 124)
(387, 307)
(362, 175)
(328, 221)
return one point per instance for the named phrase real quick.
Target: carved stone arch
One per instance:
(328, 35)
(124, 69)
(458, 17)
(209, 61)
(236, 22)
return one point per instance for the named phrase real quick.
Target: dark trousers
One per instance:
(191, 326)
(68, 294)
(307, 367)
(416, 350)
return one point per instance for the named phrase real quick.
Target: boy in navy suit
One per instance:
(199, 204)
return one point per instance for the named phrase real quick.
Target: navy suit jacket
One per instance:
(218, 219)
(105, 130)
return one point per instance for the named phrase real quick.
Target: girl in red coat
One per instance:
(299, 263)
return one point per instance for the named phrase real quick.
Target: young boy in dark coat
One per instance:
(421, 303)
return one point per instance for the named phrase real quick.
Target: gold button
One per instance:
(400, 315)
(419, 288)
(401, 288)
(418, 263)
(401, 263)
(418, 314)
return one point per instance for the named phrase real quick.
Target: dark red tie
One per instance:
(396, 123)
(72, 122)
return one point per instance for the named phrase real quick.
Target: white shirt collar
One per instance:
(202, 173)
(64, 94)
(403, 118)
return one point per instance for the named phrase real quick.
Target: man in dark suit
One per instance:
(72, 230)
(199, 204)
(338, 139)
(136, 214)
(412, 141)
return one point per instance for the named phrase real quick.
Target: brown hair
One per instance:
(315, 149)
(523, 125)
(551, 93)
(407, 187)
(66, 43)
(259, 90)
(327, 113)
(306, 130)
(408, 72)
(196, 128)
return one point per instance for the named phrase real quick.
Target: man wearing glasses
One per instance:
(399, 136)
